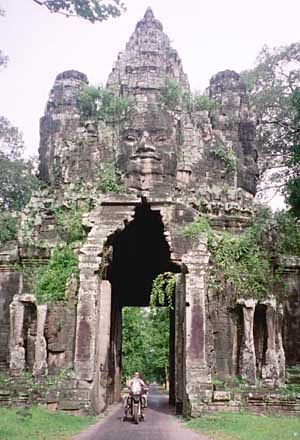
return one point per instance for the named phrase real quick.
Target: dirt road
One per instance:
(159, 424)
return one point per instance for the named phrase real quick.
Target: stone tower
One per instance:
(175, 162)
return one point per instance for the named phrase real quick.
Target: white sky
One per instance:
(210, 36)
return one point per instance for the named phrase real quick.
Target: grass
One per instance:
(37, 423)
(246, 426)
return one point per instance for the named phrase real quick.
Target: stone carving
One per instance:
(174, 163)
(148, 151)
(248, 352)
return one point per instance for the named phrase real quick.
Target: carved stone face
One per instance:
(148, 150)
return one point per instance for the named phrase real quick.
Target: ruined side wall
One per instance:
(291, 321)
(10, 285)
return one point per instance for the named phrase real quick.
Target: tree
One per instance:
(91, 10)
(145, 342)
(16, 174)
(292, 189)
(157, 360)
(133, 341)
(271, 84)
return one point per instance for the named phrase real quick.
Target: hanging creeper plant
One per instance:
(163, 288)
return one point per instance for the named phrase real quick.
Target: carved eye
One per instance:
(130, 138)
(161, 139)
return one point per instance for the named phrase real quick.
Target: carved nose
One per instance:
(146, 146)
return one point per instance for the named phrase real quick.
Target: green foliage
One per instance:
(11, 140)
(99, 103)
(163, 288)
(198, 227)
(17, 180)
(246, 426)
(133, 341)
(202, 102)
(70, 223)
(8, 227)
(16, 183)
(91, 10)
(242, 261)
(228, 157)
(171, 94)
(110, 179)
(225, 154)
(288, 230)
(292, 189)
(50, 280)
(271, 84)
(38, 423)
(145, 343)
(237, 261)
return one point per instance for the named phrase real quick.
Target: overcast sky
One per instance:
(210, 36)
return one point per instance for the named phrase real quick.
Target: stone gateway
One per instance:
(173, 162)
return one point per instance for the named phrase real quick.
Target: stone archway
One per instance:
(130, 242)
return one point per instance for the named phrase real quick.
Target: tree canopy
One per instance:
(273, 85)
(145, 342)
(91, 10)
(17, 179)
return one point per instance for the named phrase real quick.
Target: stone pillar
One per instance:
(40, 366)
(180, 344)
(100, 384)
(85, 331)
(272, 371)
(16, 341)
(197, 376)
(248, 358)
(279, 346)
(117, 354)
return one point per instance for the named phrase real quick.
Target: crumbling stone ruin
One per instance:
(174, 164)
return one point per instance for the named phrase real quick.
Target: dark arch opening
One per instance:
(139, 253)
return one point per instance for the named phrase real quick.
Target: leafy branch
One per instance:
(91, 10)
(163, 288)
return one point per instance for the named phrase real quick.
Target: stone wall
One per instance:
(10, 284)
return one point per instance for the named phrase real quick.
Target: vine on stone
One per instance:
(163, 288)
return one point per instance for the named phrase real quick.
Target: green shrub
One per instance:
(171, 94)
(99, 103)
(197, 227)
(8, 227)
(202, 102)
(227, 156)
(69, 223)
(50, 280)
(110, 179)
